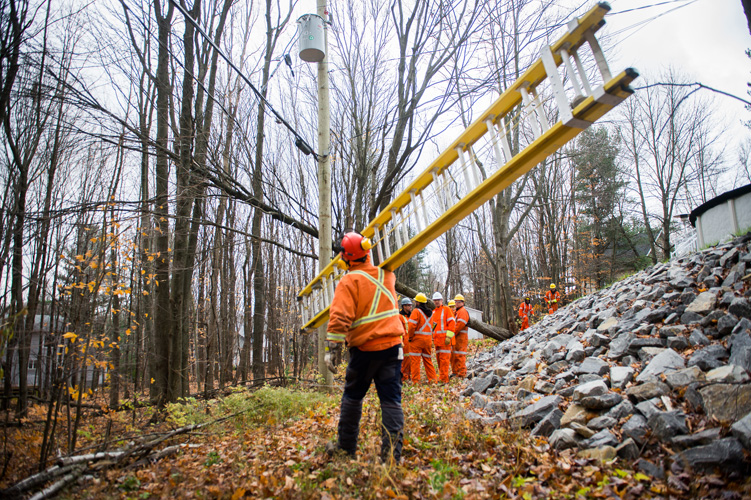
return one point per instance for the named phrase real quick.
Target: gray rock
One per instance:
(706, 436)
(697, 338)
(742, 431)
(672, 318)
(548, 424)
(479, 401)
(620, 345)
(599, 340)
(730, 373)
(709, 357)
(712, 318)
(574, 414)
(723, 452)
(620, 376)
(693, 396)
(657, 315)
(544, 387)
(678, 343)
(621, 410)
(576, 353)
(582, 430)
(602, 438)
(690, 318)
(683, 378)
(536, 411)
(636, 428)
(606, 325)
(589, 377)
(647, 353)
(496, 407)
(726, 299)
(648, 408)
(726, 402)
(726, 324)
(666, 424)
(628, 450)
(641, 343)
(647, 390)
(563, 439)
(740, 307)
(530, 366)
(593, 365)
(588, 389)
(471, 415)
(672, 331)
(735, 274)
(689, 296)
(650, 469)
(603, 422)
(744, 325)
(703, 304)
(663, 362)
(603, 402)
(730, 257)
(481, 384)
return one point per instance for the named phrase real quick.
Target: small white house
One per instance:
(474, 314)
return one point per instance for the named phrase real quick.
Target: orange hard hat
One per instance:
(355, 246)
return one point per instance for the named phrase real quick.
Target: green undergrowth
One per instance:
(268, 405)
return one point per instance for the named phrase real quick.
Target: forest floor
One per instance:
(269, 443)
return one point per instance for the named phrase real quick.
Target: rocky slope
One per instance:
(654, 369)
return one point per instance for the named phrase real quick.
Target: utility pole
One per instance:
(324, 179)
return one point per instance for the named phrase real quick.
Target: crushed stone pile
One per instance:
(655, 369)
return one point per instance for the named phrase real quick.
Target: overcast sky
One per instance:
(705, 39)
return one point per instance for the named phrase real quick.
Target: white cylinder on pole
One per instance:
(312, 41)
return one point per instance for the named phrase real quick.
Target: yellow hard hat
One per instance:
(552, 286)
(459, 296)
(452, 303)
(421, 298)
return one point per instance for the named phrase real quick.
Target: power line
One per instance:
(301, 144)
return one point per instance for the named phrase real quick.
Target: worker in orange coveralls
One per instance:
(421, 340)
(552, 298)
(364, 313)
(443, 325)
(525, 311)
(459, 351)
(404, 314)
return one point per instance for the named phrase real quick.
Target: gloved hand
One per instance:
(449, 336)
(332, 348)
(555, 301)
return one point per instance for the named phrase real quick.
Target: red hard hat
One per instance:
(355, 246)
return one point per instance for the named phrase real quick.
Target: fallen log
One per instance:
(494, 332)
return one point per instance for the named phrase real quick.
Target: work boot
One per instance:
(333, 450)
(391, 446)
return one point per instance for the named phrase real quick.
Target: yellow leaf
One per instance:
(239, 493)
(94, 265)
(152, 380)
(70, 335)
(641, 477)
(127, 332)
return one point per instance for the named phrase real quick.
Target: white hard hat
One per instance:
(437, 296)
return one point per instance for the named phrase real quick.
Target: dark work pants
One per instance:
(383, 368)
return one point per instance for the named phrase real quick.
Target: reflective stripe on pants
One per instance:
(427, 360)
(459, 355)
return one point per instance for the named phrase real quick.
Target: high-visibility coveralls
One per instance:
(364, 313)
(421, 343)
(443, 321)
(552, 298)
(459, 350)
(525, 309)
(407, 361)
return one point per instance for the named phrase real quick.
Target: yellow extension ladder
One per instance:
(592, 98)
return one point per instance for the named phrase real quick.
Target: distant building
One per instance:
(476, 315)
(721, 217)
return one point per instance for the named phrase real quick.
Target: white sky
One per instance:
(704, 39)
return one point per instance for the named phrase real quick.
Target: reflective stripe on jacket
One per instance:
(364, 311)
(442, 320)
(462, 318)
(418, 323)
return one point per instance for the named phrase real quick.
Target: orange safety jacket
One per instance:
(419, 326)
(364, 311)
(552, 297)
(525, 309)
(442, 321)
(462, 318)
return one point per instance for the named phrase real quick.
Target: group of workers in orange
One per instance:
(445, 327)
(552, 298)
